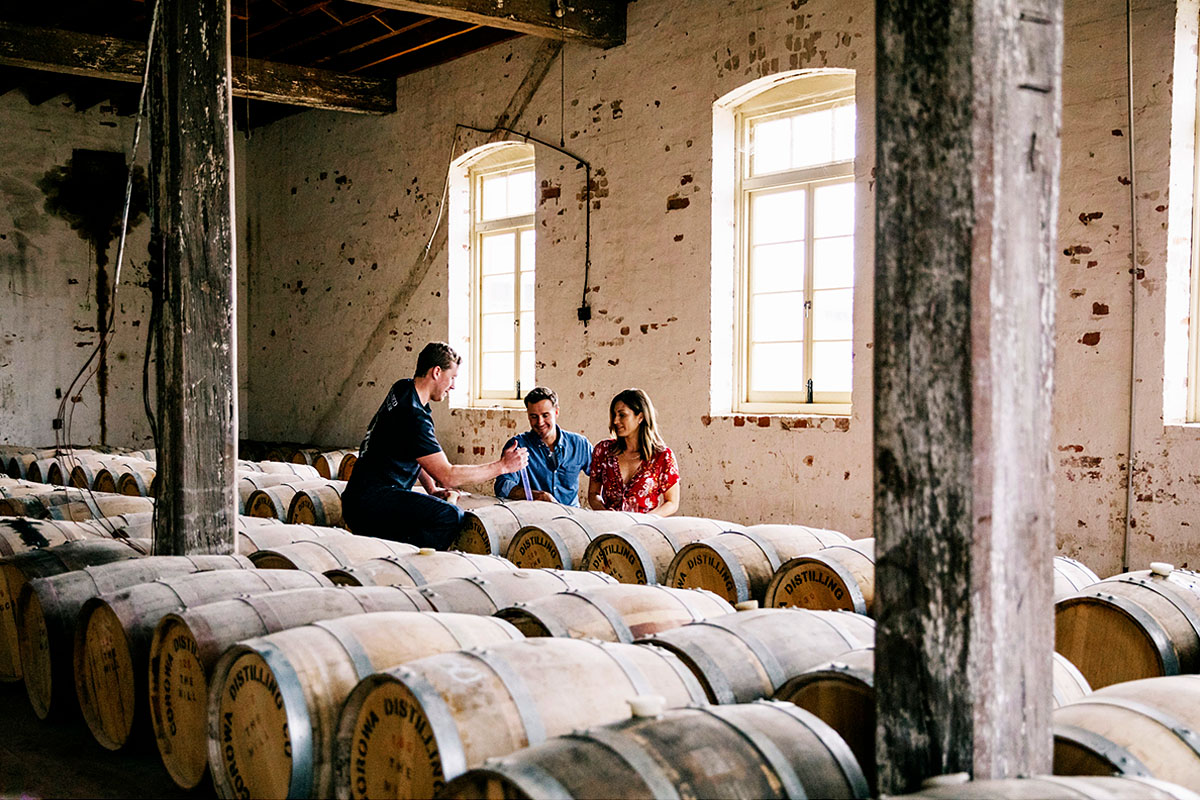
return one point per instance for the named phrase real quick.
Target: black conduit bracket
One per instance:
(584, 312)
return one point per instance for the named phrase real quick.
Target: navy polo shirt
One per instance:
(554, 472)
(400, 432)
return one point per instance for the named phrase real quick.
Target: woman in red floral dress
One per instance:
(635, 471)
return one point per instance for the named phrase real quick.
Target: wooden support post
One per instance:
(968, 108)
(191, 173)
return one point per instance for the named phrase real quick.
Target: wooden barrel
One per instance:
(329, 552)
(285, 468)
(249, 482)
(738, 565)
(489, 530)
(98, 505)
(456, 710)
(1070, 577)
(36, 503)
(424, 566)
(1145, 727)
(620, 613)
(112, 640)
(47, 608)
(106, 481)
(40, 471)
(748, 655)
(318, 505)
(85, 470)
(346, 468)
(642, 553)
(1057, 787)
(556, 543)
(274, 501)
(760, 750)
(139, 481)
(21, 534)
(842, 693)
(17, 570)
(1151, 620)
(186, 645)
(275, 700)
(19, 463)
(329, 463)
(267, 536)
(492, 591)
(840, 577)
(306, 455)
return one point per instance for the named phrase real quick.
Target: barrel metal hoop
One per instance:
(518, 689)
(412, 571)
(688, 678)
(1185, 734)
(643, 555)
(775, 672)
(1173, 595)
(258, 603)
(793, 787)
(534, 780)
(737, 571)
(858, 601)
(614, 618)
(1121, 760)
(350, 643)
(660, 784)
(768, 550)
(1149, 625)
(299, 721)
(636, 679)
(441, 720)
(563, 554)
(834, 743)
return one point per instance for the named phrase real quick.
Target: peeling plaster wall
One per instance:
(343, 207)
(48, 301)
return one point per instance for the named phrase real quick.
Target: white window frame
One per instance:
(1193, 362)
(809, 179)
(479, 230)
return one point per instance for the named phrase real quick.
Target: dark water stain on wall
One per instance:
(88, 193)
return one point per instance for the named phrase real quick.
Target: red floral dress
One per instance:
(645, 489)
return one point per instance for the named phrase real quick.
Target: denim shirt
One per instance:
(554, 472)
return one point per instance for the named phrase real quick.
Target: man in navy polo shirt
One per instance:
(556, 457)
(400, 448)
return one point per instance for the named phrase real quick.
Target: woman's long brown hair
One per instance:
(649, 440)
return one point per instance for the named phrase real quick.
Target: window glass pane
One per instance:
(527, 330)
(843, 133)
(497, 293)
(833, 263)
(777, 268)
(498, 255)
(777, 317)
(527, 257)
(777, 216)
(496, 332)
(777, 368)
(812, 138)
(770, 146)
(833, 210)
(527, 381)
(496, 372)
(527, 291)
(832, 314)
(832, 366)
(494, 199)
(520, 193)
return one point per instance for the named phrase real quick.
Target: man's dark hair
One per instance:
(436, 354)
(540, 393)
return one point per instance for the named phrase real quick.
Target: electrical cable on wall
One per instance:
(584, 312)
(64, 420)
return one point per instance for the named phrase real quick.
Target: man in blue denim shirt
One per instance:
(556, 457)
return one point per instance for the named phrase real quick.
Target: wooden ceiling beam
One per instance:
(596, 22)
(65, 52)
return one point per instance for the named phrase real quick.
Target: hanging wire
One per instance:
(65, 417)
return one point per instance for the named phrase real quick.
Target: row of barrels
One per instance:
(330, 462)
(298, 666)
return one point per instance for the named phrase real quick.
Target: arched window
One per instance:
(491, 222)
(792, 141)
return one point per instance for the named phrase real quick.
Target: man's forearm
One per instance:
(462, 474)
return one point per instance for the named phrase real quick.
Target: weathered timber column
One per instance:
(192, 182)
(969, 97)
